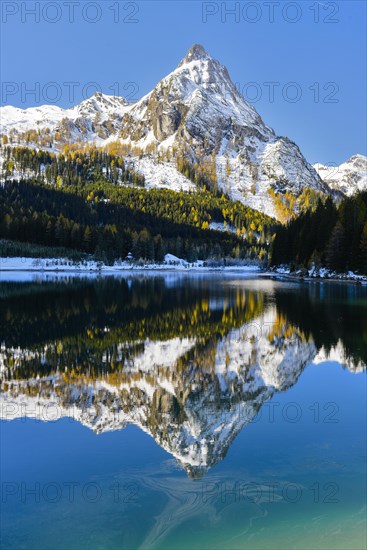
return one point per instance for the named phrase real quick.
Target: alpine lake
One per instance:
(182, 411)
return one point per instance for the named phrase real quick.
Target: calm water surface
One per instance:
(175, 412)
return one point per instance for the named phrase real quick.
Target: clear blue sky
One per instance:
(319, 46)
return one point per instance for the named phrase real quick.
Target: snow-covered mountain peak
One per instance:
(203, 69)
(196, 52)
(100, 103)
(197, 104)
(347, 178)
(199, 75)
(198, 113)
(357, 158)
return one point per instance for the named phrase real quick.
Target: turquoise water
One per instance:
(183, 412)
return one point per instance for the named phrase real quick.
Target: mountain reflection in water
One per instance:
(190, 361)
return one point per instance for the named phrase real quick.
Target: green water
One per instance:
(177, 412)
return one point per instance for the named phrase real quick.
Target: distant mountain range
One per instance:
(195, 111)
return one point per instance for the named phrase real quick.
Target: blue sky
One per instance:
(302, 63)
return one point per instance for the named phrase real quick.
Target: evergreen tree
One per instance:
(336, 248)
(363, 250)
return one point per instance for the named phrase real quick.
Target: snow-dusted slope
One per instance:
(34, 118)
(78, 118)
(161, 174)
(349, 178)
(197, 111)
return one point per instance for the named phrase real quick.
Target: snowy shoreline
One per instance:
(315, 276)
(63, 266)
(21, 268)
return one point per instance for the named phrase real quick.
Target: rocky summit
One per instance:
(196, 111)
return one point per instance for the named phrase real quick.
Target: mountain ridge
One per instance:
(196, 112)
(348, 178)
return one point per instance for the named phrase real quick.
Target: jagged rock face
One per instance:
(199, 102)
(165, 124)
(283, 163)
(166, 117)
(194, 104)
(196, 108)
(348, 178)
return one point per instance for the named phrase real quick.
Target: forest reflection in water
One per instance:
(190, 360)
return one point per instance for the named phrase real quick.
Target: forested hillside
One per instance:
(110, 220)
(331, 236)
(74, 166)
(91, 200)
